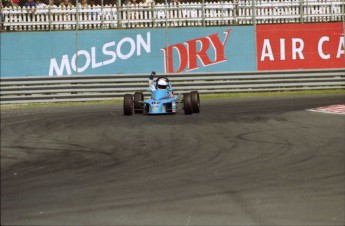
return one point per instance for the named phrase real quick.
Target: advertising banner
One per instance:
(104, 52)
(300, 46)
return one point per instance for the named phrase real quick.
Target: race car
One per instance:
(162, 101)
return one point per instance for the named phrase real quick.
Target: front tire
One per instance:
(187, 104)
(128, 104)
(138, 102)
(195, 101)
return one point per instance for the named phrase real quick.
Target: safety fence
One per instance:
(88, 88)
(171, 15)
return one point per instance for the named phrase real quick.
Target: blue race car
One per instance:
(162, 101)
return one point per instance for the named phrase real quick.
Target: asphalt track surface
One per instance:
(255, 161)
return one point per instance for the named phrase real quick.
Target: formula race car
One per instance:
(162, 101)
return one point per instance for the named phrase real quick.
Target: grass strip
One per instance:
(274, 94)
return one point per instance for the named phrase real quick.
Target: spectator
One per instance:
(131, 2)
(40, 4)
(66, 4)
(52, 4)
(112, 2)
(30, 6)
(83, 4)
(96, 3)
(10, 3)
(16, 2)
(41, 7)
(148, 2)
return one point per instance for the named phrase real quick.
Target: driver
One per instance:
(161, 84)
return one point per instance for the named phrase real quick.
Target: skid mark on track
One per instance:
(245, 137)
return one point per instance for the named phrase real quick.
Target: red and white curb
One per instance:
(334, 109)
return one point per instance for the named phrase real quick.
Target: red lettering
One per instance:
(182, 56)
(188, 56)
(202, 54)
(219, 46)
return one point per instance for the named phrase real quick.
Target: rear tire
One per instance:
(128, 104)
(194, 95)
(187, 104)
(138, 102)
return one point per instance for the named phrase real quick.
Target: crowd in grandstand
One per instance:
(17, 15)
(70, 3)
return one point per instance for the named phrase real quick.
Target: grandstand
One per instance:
(109, 15)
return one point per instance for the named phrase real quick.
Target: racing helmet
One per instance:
(162, 84)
